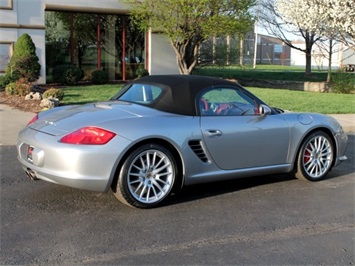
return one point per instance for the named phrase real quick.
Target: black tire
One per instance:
(147, 177)
(315, 157)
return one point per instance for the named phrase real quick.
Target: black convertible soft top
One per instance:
(180, 91)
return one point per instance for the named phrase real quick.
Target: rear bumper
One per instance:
(92, 184)
(89, 167)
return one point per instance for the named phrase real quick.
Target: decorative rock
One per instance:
(33, 96)
(49, 103)
(37, 96)
(46, 103)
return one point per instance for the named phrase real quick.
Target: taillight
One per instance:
(88, 136)
(34, 119)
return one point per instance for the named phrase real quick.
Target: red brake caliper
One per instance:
(307, 155)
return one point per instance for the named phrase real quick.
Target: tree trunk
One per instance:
(180, 52)
(330, 60)
(228, 49)
(241, 49)
(185, 66)
(308, 72)
(308, 51)
(183, 69)
(213, 50)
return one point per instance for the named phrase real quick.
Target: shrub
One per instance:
(141, 72)
(10, 88)
(58, 73)
(343, 82)
(67, 74)
(2, 82)
(17, 88)
(99, 77)
(24, 61)
(55, 93)
(22, 88)
(73, 75)
(6, 79)
(55, 53)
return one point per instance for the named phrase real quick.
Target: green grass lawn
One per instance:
(86, 94)
(262, 72)
(298, 101)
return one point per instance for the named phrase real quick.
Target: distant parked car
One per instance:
(160, 133)
(350, 68)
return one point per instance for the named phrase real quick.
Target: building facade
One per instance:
(341, 55)
(113, 43)
(272, 51)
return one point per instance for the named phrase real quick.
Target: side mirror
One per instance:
(264, 110)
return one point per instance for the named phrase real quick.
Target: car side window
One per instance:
(227, 102)
(141, 93)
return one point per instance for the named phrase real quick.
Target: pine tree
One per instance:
(24, 63)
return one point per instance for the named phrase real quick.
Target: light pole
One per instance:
(255, 43)
(256, 34)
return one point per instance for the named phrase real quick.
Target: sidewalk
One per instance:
(347, 121)
(13, 120)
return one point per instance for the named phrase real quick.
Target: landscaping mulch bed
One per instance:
(19, 102)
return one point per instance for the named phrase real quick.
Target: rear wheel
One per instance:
(315, 157)
(146, 177)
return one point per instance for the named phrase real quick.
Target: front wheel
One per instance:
(315, 157)
(146, 177)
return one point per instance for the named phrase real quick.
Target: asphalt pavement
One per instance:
(12, 120)
(267, 220)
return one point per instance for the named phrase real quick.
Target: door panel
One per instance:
(236, 142)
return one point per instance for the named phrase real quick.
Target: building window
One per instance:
(6, 4)
(6, 49)
(94, 41)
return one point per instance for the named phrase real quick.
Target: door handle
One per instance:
(213, 133)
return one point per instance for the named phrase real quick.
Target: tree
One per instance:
(313, 20)
(336, 23)
(328, 19)
(24, 63)
(187, 23)
(220, 51)
(57, 41)
(282, 27)
(78, 33)
(82, 27)
(338, 20)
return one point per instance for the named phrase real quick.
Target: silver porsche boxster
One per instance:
(160, 133)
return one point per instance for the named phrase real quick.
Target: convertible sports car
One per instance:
(160, 133)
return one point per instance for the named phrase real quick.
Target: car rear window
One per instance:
(141, 93)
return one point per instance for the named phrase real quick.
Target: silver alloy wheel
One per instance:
(150, 176)
(317, 156)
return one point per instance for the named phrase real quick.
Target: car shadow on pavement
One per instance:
(200, 191)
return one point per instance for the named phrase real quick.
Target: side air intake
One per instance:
(197, 148)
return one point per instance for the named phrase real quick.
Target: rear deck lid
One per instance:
(59, 121)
